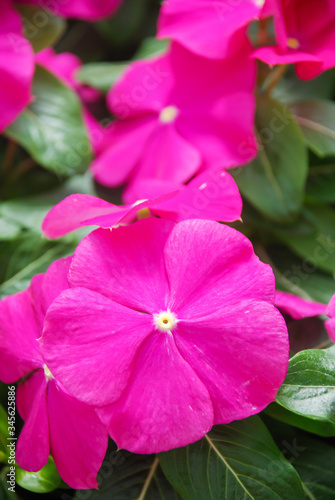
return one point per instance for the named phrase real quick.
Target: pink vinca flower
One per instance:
(64, 66)
(16, 66)
(298, 308)
(90, 10)
(170, 329)
(211, 195)
(305, 35)
(178, 113)
(207, 27)
(330, 324)
(54, 421)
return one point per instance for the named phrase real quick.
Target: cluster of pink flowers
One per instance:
(156, 329)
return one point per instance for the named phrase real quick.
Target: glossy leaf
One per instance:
(316, 246)
(317, 121)
(132, 476)
(43, 481)
(309, 387)
(101, 75)
(274, 182)
(41, 27)
(239, 460)
(51, 129)
(326, 429)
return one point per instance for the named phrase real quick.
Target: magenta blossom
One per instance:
(54, 421)
(16, 66)
(211, 195)
(204, 27)
(330, 324)
(178, 113)
(64, 66)
(297, 307)
(90, 10)
(305, 35)
(170, 329)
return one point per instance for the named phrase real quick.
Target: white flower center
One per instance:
(165, 321)
(259, 3)
(168, 114)
(293, 43)
(47, 373)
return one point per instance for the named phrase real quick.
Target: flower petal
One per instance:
(240, 353)
(125, 264)
(209, 264)
(165, 405)
(127, 141)
(77, 437)
(19, 331)
(32, 450)
(89, 344)
(297, 307)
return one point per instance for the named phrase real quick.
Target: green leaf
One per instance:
(321, 183)
(3, 435)
(312, 458)
(9, 230)
(274, 182)
(309, 387)
(317, 121)
(22, 259)
(317, 246)
(235, 461)
(101, 75)
(51, 129)
(291, 88)
(326, 429)
(43, 481)
(126, 476)
(41, 27)
(5, 494)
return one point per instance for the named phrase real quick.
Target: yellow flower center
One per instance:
(168, 114)
(165, 321)
(293, 43)
(47, 373)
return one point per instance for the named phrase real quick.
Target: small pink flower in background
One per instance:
(305, 35)
(16, 66)
(55, 422)
(90, 10)
(297, 307)
(170, 329)
(177, 114)
(330, 324)
(207, 27)
(64, 66)
(211, 195)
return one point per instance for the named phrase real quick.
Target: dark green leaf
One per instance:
(309, 387)
(291, 88)
(151, 47)
(43, 481)
(3, 435)
(101, 75)
(321, 183)
(278, 412)
(125, 476)
(274, 182)
(317, 246)
(41, 27)
(5, 494)
(235, 461)
(51, 128)
(317, 121)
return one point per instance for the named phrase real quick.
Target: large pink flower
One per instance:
(178, 113)
(211, 195)
(170, 328)
(16, 66)
(305, 35)
(207, 27)
(90, 10)
(54, 421)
